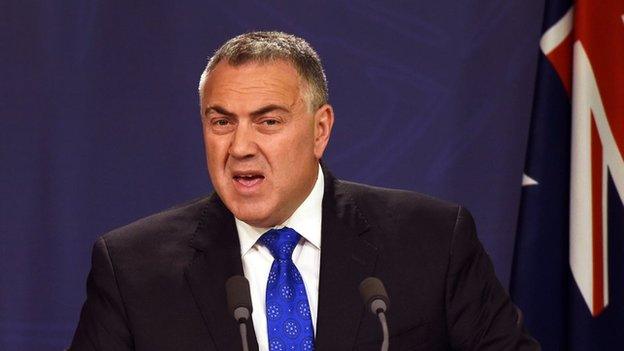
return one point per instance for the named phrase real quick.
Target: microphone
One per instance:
(376, 299)
(239, 304)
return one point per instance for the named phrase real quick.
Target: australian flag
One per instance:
(568, 271)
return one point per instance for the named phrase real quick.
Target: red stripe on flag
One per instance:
(597, 242)
(598, 25)
(561, 60)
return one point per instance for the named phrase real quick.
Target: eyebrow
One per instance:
(269, 108)
(258, 112)
(218, 109)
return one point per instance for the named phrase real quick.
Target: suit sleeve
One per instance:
(103, 322)
(480, 314)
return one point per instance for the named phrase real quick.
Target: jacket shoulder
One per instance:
(378, 202)
(174, 225)
(402, 218)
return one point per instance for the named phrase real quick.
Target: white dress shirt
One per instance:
(257, 259)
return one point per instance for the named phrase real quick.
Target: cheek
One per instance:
(216, 152)
(294, 156)
(290, 152)
(303, 149)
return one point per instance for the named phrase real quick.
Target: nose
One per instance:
(243, 144)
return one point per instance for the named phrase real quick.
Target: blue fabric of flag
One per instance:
(540, 272)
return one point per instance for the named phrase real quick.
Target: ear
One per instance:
(323, 123)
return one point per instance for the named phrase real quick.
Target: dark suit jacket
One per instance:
(158, 283)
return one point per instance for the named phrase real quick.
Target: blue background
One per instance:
(100, 121)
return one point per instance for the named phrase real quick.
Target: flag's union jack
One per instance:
(586, 47)
(574, 182)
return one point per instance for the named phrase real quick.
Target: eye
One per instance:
(222, 125)
(270, 122)
(221, 122)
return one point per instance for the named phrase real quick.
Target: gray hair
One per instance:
(270, 46)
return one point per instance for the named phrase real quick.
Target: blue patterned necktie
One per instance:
(288, 313)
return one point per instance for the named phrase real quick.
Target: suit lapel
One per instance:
(347, 257)
(217, 258)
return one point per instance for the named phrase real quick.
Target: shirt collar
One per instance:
(306, 220)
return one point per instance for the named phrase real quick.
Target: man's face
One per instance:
(262, 141)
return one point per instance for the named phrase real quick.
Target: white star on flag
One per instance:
(528, 181)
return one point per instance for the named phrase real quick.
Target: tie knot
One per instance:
(281, 242)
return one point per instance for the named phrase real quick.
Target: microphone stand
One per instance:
(376, 299)
(239, 304)
(384, 329)
(243, 333)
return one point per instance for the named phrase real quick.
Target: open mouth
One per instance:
(248, 179)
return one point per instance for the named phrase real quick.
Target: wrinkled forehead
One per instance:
(276, 80)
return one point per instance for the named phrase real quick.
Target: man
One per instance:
(302, 238)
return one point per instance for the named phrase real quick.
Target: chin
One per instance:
(252, 215)
(255, 220)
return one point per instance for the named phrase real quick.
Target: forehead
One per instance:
(261, 82)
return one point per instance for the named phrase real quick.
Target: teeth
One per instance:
(247, 176)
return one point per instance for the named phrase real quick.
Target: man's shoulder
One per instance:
(150, 252)
(374, 199)
(177, 223)
(420, 217)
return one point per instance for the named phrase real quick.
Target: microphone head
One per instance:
(238, 297)
(374, 295)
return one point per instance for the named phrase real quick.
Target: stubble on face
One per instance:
(260, 140)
